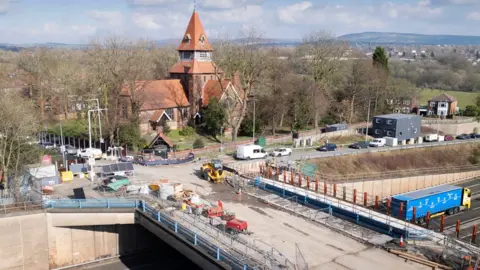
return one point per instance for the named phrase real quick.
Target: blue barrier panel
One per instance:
(335, 211)
(91, 203)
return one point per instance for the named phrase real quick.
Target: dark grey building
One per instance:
(400, 126)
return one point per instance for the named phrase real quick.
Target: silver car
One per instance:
(68, 150)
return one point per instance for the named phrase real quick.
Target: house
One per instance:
(443, 105)
(403, 105)
(158, 101)
(400, 126)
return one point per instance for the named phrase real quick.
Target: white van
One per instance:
(380, 142)
(431, 138)
(250, 151)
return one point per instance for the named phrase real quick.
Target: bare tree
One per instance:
(322, 55)
(19, 123)
(357, 81)
(39, 64)
(250, 63)
(163, 59)
(116, 63)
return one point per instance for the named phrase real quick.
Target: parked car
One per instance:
(449, 138)
(359, 145)
(381, 142)
(284, 151)
(90, 152)
(68, 150)
(463, 137)
(328, 147)
(46, 145)
(250, 151)
(474, 135)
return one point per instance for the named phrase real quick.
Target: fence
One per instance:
(449, 121)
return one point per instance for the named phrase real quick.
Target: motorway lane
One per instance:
(310, 153)
(467, 218)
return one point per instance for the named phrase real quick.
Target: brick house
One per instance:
(159, 101)
(442, 105)
(404, 105)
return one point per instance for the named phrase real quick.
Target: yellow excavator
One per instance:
(213, 171)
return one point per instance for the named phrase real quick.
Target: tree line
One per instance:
(322, 81)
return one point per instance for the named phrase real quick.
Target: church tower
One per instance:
(196, 66)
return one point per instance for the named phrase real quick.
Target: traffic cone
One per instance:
(401, 241)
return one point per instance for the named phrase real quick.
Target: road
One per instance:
(310, 153)
(467, 218)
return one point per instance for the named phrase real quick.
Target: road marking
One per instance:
(473, 185)
(475, 208)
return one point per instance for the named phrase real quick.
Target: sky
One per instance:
(80, 21)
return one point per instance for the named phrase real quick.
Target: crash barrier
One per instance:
(363, 216)
(157, 162)
(161, 218)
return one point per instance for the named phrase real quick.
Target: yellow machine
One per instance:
(213, 171)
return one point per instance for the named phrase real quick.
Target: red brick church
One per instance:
(193, 81)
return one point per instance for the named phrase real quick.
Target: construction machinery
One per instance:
(213, 171)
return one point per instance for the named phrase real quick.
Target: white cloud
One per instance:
(151, 2)
(242, 14)
(4, 5)
(290, 14)
(475, 16)
(145, 21)
(111, 18)
(423, 9)
(463, 2)
(228, 4)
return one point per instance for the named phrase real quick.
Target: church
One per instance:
(193, 81)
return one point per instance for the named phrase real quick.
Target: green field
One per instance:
(464, 98)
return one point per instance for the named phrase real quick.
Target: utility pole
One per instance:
(62, 146)
(368, 119)
(99, 119)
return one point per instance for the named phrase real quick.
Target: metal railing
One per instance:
(213, 250)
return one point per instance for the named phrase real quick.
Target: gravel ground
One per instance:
(293, 237)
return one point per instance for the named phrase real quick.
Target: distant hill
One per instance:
(405, 38)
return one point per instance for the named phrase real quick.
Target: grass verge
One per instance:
(410, 159)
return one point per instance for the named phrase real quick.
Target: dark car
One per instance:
(474, 135)
(449, 138)
(463, 137)
(328, 147)
(359, 145)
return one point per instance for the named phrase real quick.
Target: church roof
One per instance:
(212, 89)
(195, 67)
(195, 38)
(158, 94)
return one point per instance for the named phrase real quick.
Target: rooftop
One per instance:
(425, 192)
(397, 116)
(443, 97)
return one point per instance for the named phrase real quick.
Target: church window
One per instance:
(202, 39)
(188, 38)
(203, 55)
(187, 55)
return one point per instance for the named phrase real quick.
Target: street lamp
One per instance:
(368, 119)
(252, 96)
(90, 125)
(99, 119)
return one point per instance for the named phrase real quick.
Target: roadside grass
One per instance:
(464, 98)
(186, 142)
(434, 157)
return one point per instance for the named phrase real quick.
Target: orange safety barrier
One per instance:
(316, 185)
(442, 223)
(365, 198)
(376, 202)
(355, 196)
(334, 190)
(308, 182)
(457, 229)
(474, 233)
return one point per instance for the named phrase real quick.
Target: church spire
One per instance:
(195, 38)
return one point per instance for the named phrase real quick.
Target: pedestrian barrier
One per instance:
(161, 218)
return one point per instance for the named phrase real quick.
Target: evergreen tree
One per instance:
(213, 117)
(432, 54)
(380, 58)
